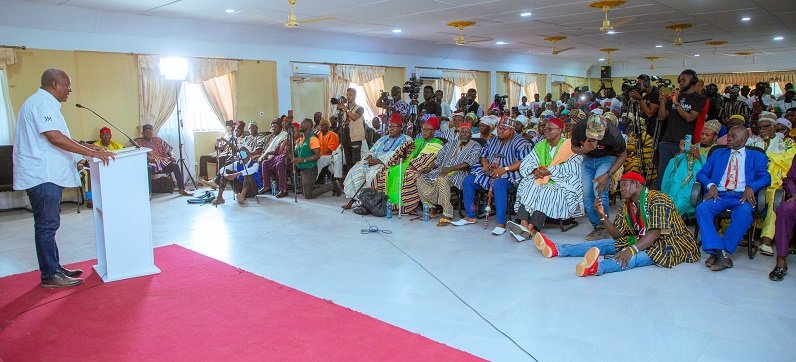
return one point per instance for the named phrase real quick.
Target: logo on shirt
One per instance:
(48, 119)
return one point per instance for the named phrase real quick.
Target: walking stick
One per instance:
(401, 178)
(292, 166)
(488, 208)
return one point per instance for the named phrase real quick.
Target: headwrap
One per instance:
(296, 125)
(610, 117)
(107, 131)
(490, 120)
(738, 117)
(597, 111)
(767, 117)
(460, 114)
(616, 107)
(434, 122)
(712, 125)
(397, 118)
(547, 113)
(147, 126)
(633, 176)
(577, 115)
(465, 125)
(565, 112)
(557, 122)
(785, 123)
(471, 115)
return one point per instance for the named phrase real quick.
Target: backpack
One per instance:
(372, 202)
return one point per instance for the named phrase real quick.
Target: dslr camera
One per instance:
(341, 99)
(413, 87)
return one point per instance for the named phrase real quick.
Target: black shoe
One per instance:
(72, 273)
(281, 194)
(336, 190)
(711, 260)
(60, 280)
(263, 191)
(723, 261)
(778, 273)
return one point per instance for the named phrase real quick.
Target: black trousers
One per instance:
(237, 186)
(171, 168)
(204, 160)
(308, 187)
(537, 218)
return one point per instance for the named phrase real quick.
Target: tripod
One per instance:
(181, 161)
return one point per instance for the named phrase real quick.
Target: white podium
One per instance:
(122, 221)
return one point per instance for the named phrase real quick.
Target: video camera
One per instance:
(341, 99)
(413, 87)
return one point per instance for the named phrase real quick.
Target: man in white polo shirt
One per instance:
(44, 164)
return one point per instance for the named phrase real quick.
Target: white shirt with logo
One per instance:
(36, 160)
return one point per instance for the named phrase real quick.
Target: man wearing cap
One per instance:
(733, 105)
(254, 141)
(382, 151)
(680, 113)
(498, 172)
(731, 177)
(604, 150)
(106, 141)
(648, 231)
(680, 174)
(551, 183)
(449, 169)
(160, 159)
(780, 152)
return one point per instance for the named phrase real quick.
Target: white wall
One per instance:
(68, 28)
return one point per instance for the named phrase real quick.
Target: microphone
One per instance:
(111, 124)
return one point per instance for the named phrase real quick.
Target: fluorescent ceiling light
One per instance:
(500, 43)
(778, 38)
(396, 31)
(611, 32)
(696, 55)
(526, 14)
(659, 46)
(746, 18)
(601, 59)
(229, 11)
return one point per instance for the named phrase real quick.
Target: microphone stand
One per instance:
(181, 161)
(111, 124)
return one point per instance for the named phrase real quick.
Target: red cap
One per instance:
(633, 176)
(434, 122)
(396, 118)
(465, 125)
(105, 130)
(557, 122)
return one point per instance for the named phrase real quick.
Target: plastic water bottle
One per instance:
(389, 210)
(325, 178)
(425, 212)
(273, 187)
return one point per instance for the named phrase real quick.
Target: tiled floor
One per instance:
(436, 281)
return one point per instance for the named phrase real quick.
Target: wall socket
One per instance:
(262, 114)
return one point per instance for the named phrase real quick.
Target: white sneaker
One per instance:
(766, 250)
(497, 231)
(518, 231)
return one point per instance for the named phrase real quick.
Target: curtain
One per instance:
(8, 56)
(724, 79)
(169, 132)
(201, 69)
(343, 75)
(157, 96)
(7, 119)
(221, 95)
(516, 83)
(452, 78)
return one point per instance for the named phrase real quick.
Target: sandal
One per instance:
(443, 221)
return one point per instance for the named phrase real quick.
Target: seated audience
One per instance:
(331, 153)
(160, 159)
(450, 135)
(785, 224)
(106, 141)
(551, 183)
(734, 105)
(780, 152)
(648, 231)
(275, 161)
(219, 156)
(254, 140)
(397, 178)
(450, 167)
(681, 172)
(366, 170)
(731, 177)
(308, 151)
(244, 174)
(604, 151)
(271, 146)
(497, 172)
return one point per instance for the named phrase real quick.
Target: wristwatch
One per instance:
(506, 169)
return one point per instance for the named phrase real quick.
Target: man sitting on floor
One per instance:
(160, 159)
(449, 169)
(331, 153)
(308, 151)
(681, 172)
(732, 176)
(551, 183)
(648, 231)
(106, 141)
(365, 171)
(244, 174)
(497, 172)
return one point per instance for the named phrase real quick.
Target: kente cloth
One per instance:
(634, 157)
(679, 177)
(676, 243)
(160, 154)
(397, 180)
(452, 154)
(362, 173)
(780, 152)
(558, 196)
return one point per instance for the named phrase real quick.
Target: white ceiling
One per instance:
(642, 22)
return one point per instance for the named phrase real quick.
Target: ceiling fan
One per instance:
(556, 39)
(608, 51)
(292, 22)
(678, 28)
(461, 25)
(607, 5)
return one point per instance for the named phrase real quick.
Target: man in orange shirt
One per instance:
(331, 154)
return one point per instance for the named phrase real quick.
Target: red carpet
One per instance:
(197, 309)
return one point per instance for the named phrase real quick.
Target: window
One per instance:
(363, 101)
(776, 91)
(194, 106)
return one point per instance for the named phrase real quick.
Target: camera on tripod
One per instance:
(664, 85)
(341, 99)
(413, 87)
(500, 101)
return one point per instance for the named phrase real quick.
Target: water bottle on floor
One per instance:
(273, 187)
(425, 212)
(389, 210)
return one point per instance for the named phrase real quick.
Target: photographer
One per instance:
(680, 113)
(429, 105)
(393, 102)
(353, 127)
(470, 105)
(648, 98)
(499, 103)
